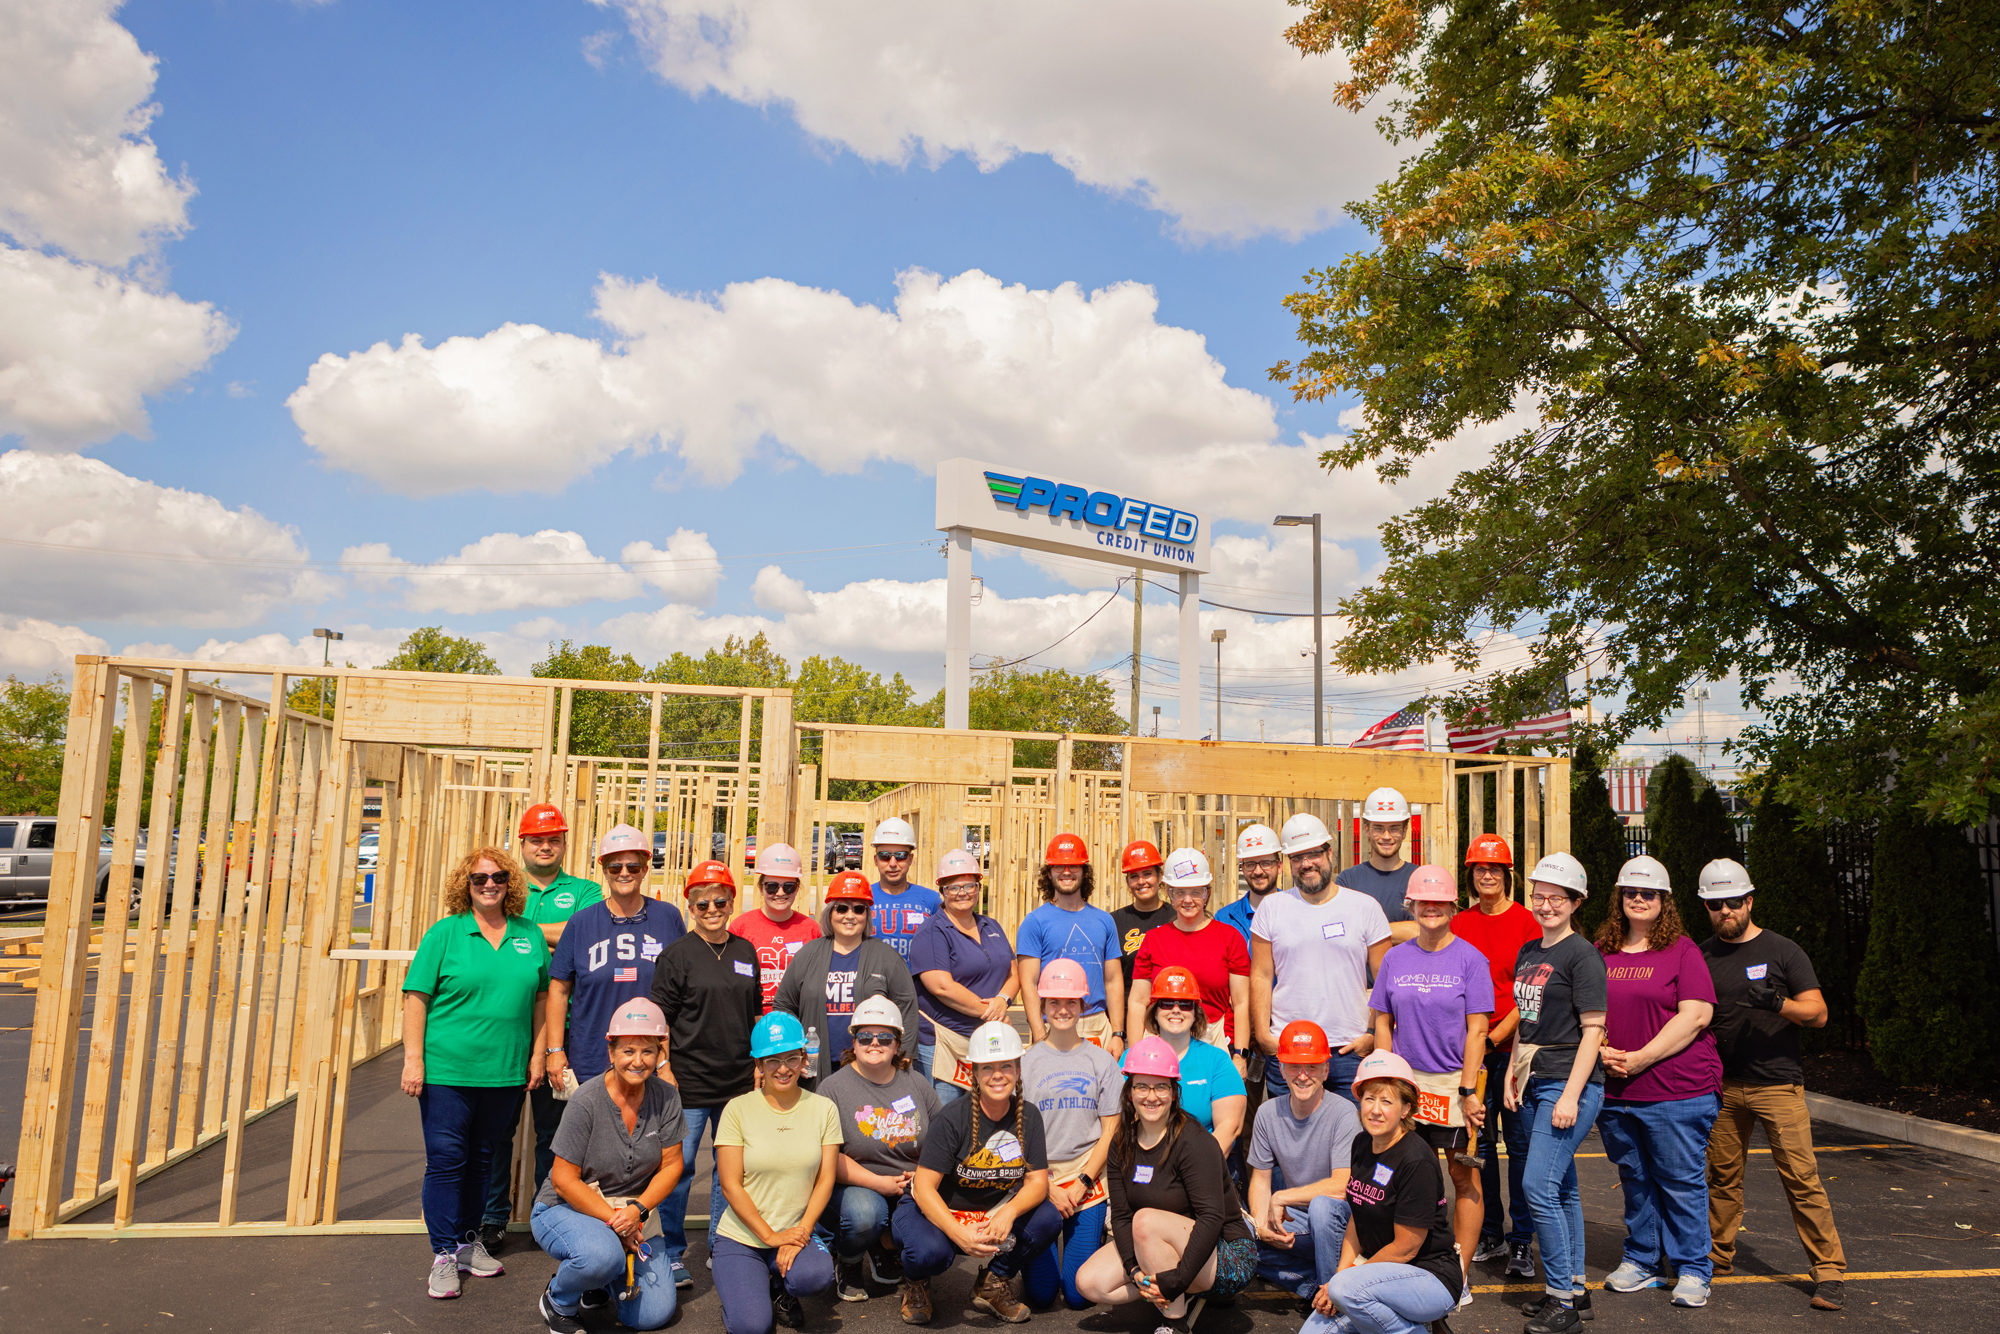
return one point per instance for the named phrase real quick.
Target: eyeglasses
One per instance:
(876, 1039)
(771, 887)
(480, 878)
(1547, 900)
(845, 908)
(624, 870)
(1728, 905)
(1187, 1005)
(1197, 892)
(972, 888)
(1153, 1092)
(1256, 863)
(708, 905)
(894, 856)
(1642, 895)
(784, 1060)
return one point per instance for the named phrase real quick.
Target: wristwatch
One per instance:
(1089, 1181)
(1468, 1093)
(1117, 1032)
(1244, 1052)
(552, 1051)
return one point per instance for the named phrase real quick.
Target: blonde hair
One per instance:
(458, 885)
(1405, 1090)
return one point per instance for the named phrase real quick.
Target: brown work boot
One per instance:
(916, 1301)
(995, 1296)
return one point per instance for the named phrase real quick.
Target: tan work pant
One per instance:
(1781, 1109)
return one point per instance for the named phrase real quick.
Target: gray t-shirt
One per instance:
(882, 1126)
(1309, 1150)
(1319, 959)
(592, 1135)
(1072, 1089)
(1387, 888)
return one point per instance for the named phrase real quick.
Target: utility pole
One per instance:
(1138, 601)
(1701, 728)
(1319, 643)
(325, 660)
(1218, 636)
(1156, 720)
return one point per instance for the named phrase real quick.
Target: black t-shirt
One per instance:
(982, 1179)
(1758, 1046)
(711, 1002)
(1552, 987)
(1132, 927)
(1403, 1185)
(1186, 1176)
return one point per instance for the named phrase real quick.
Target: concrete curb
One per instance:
(1979, 1144)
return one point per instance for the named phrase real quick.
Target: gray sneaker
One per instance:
(1690, 1291)
(444, 1275)
(1628, 1277)
(474, 1259)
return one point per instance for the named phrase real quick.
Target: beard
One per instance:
(1733, 928)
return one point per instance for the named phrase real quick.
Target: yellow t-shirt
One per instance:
(781, 1156)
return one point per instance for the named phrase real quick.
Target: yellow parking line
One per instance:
(1823, 1148)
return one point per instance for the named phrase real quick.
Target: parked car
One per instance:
(27, 859)
(369, 849)
(852, 851)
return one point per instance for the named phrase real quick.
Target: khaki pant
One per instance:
(1781, 1110)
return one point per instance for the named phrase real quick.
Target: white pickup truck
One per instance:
(27, 849)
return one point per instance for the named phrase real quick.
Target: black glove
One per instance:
(1764, 995)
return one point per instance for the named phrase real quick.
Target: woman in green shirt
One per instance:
(472, 1044)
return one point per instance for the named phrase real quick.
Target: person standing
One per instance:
(1662, 1087)
(1067, 927)
(1383, 875)
(775, 929)
(706, 984)
(1312, 951)
(902, 906)
(1212, 954)
(1142, 864)
(965, 969)
(1498, 927)
(1074, 1084)
(1257, 859)
(1765, 992)
(1307, 1138)
(830, 976)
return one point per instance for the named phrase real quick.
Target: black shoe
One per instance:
(1520, 1260)
(1827, 1295)
(595, 1299)
(557, 1322)
(786, 1309)
(1544, 1304)
(850, 1282)
(1555, 1320)
(886, 1267)
(493, 1236)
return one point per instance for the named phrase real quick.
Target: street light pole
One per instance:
(1319, 648)
(325, 660)
(1218, 636)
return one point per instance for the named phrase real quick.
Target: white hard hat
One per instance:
(1259, 840)
(1644, 873)
(780, 861)
(1564, 872)
(1188, 868)
(991, 1042)
(1385, 805)
(1724, 879)
(895, 832)
(877, 1010)
(1304, 832)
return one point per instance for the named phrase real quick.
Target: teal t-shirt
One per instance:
(559, 902)
(482, 1001)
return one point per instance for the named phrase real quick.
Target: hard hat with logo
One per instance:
(542, 819)
(1066, 850)
(1258, 840)
(1304, 832)
(1431, 884)
(622, 838)
(1385, 805)
(775, 1034)
(1302, 1042)
(957, 862)
(1564, 872)
(1139, 854)
(1724, 879)
(1489, 850)
(710, 873)
(879, 1011)
(851, 886)
(638, 1017)
(1176, 983)
(1644, 872)
(1187, 868)
(1151, 1055)
(1384, 1065)
(991, 1042)
(894, 832)
(780, 861)
(1063, 980)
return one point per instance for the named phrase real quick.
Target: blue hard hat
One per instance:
(775, 1034)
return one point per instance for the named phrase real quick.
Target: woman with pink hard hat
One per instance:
(1074, 1084)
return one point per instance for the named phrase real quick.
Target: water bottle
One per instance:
(812, 1051)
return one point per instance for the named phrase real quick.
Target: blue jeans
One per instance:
(1551, 1181)
(673, 1210)
(1339, 1077)
(1514, 1134)
(855, 1219)
(926, 1056)
(1082, 1233)
(593, 1257)
(1310, 1261)
(463, 1127)
(1391, 1298)
(927, 1252)
(547, 1114)
(1661, 1152)
(743, 1277)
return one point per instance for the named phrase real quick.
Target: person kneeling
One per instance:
(1177, 1228)
(618, 1155)
(982, 1186)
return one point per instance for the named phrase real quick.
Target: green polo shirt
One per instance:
(482, 1001)
(559, 902)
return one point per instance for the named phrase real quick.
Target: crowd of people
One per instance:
(1204, 1097)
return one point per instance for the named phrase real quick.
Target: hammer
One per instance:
(1469, 1156)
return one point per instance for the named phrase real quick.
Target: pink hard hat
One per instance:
(621, 838)
(1152, 1056)
(780, 861)
(1431, 882)
(637, 1017)
(1383, 1065)
(957, 862)
(1063, 980)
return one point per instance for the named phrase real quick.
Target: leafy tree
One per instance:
(34, 719)
(1672, 838)
(430, 649)
(1011, 699)
(1930, 987)
(834, 690)
(1798, 898)
(601, 723)
(1711, 835)
(1738, 260)
(1596, 836)
(711, 728)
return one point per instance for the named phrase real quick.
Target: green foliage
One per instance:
(1930, 987)
(1011, 699)
(1798, 898)
(34, 718)
(1596, 836)
(1671, 838)
(613, 726)
(834, 690)
(712, 729)
(430, 649)
(1739, 259)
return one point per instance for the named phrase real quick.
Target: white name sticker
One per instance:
(1333, 930)
(792, 946)
(1142, 1175)
(1755, 971)
(1382, 1173)
(651, 949)
(745, 969)
(904, 1105)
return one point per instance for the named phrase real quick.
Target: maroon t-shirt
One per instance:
(1646, 990)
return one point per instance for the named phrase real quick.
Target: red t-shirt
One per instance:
(1499, 938)
(1213, 954)
(777, 942)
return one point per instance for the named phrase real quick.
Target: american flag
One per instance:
(1403, 730)
(1477, 735)
(625, 975)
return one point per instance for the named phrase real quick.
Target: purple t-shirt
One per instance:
(1429, 995)
(1645, 991)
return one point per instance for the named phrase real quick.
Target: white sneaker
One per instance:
(1465, 1295)
(1690, 1291)
(444, 1275)
(474, 1259)
(1628, 1277)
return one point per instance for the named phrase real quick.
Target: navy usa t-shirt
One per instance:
(607, 961)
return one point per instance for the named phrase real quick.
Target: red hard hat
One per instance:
(850, 885)
(710, 873)
(1175, 983)
(542, 819)
(1489, 850)
(1139, 855)
(1067, 850)
(1302, 1042)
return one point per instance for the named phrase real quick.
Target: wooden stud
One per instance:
(187, 872)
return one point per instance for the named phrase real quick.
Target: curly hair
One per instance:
(458, 886)
(1666, 930)
(1046, 883)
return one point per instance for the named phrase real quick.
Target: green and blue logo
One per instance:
(1126, 523)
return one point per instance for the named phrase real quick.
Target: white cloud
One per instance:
(77, 171)
(1198, 108)
(118, 548)
(80, 348)
(686, 570)
(499, 572)
(775, 590)
(32, 649)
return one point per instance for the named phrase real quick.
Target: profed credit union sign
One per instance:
(1061, 514)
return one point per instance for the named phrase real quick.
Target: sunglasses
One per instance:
(1643, 895)
(708, 905)
(846, 908)
(1187, 1005)
(781, 887)
(876, 1039)
(894, 856)
(1728, 905)
(624, 870)
(481, 878)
